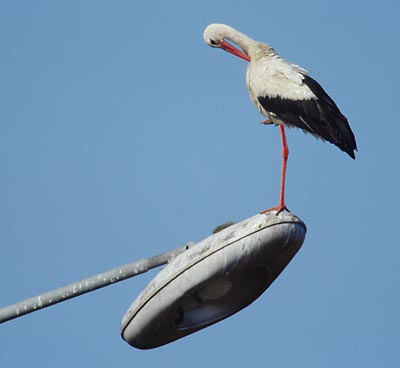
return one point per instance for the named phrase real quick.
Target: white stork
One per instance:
(285, 94)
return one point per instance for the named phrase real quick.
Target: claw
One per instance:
(278, 209)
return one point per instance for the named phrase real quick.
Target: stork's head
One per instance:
(215, 35)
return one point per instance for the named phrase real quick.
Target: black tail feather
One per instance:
(319, 116)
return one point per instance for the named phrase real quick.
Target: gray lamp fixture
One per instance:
(212, 280)
(202, 284)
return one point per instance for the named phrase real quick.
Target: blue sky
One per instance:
(122, 135)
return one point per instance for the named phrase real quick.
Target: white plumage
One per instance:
(283, 91)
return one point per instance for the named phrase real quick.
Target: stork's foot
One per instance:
(278, 209)
(266, 122)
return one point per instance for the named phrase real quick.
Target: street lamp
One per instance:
(202, 284)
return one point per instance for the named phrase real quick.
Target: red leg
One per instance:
(285, 155)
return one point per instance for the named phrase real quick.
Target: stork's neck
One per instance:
(237, 37)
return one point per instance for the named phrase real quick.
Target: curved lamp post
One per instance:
(202, 284)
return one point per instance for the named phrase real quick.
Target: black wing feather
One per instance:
(319, 116)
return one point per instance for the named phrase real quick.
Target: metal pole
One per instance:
(87, 285)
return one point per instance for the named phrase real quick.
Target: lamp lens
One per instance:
(220, 297)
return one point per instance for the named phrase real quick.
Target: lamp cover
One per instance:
(213, 279)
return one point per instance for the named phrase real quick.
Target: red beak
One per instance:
(233, 50)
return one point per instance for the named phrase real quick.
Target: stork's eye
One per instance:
(212, 42)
